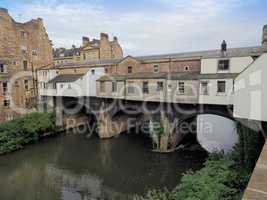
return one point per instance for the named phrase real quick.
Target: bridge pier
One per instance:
(109, 126)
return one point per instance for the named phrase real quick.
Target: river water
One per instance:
(71, 167)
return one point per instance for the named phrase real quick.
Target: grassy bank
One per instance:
(222, 177)
(15, 134)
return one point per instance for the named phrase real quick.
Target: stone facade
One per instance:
(24, 48)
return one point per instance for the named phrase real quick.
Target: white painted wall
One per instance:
(216, 133)
(237, 64)
(250, 98)
(217, 98)
(44, 76)
(84, 86)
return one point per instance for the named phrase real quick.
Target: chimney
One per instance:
(264, 36)
(104, 36)
(115, 39)
(86, 41)
(224, 46)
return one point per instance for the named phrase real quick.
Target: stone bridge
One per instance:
(114, 117)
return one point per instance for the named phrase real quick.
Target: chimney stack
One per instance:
(86, 41)
(264, 36)
(115, 39)
(104, 36)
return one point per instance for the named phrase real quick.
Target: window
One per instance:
(106, 70)
(61, 86)
(159, 86)
(114, 86)
(102, 86)
(186, 68)
(34, 52)
(6, 103)
(69, 86)
(131, 89)
(221, 87)
(5, 87)
(23, 34)
(156, 68)
(84, 56)
(54, 86)
(181, 88)
(26, 84)
(204, 88)
(223, 65)
(2, 68)
(130, 69)
(145, 87)
(25, 65)
(93, 72)
(169, 86)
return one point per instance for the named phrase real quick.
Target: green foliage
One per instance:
(222, 177)
(29, 129)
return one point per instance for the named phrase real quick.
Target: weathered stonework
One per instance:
(24, 48)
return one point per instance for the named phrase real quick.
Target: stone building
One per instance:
(24, 48)
(91, 50)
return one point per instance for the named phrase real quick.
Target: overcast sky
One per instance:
(149, 26)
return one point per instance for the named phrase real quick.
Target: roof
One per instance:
(64, 78)
(168, 76)
(231, 52)
(112, 78)
(94, 63)
(218, 76)
(66, 52)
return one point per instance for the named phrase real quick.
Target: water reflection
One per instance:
(72, 167)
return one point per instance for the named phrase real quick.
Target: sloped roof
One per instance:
(66, 52)
(65, 78)
(168, 76)
(231, 52)
(102, 62)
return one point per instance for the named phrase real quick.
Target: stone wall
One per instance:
(24, 48)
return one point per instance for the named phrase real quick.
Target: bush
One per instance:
(29, 129)
(222, 177)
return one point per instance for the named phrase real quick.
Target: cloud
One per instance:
(181, 26)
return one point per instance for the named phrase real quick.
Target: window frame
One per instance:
(130, 87)
(145, 87)
(219, 65)
(218, 88)
(130, 69)
(181, 89)
(114, 86)
(202, 91)
(160, 86)
(102, 87)
(156, 67)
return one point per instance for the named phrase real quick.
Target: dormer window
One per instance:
(223, 65)
(156, 68)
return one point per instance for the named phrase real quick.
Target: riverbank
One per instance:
(222, 177)
(17, 133)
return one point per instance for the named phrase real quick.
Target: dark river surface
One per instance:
(71, 167)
